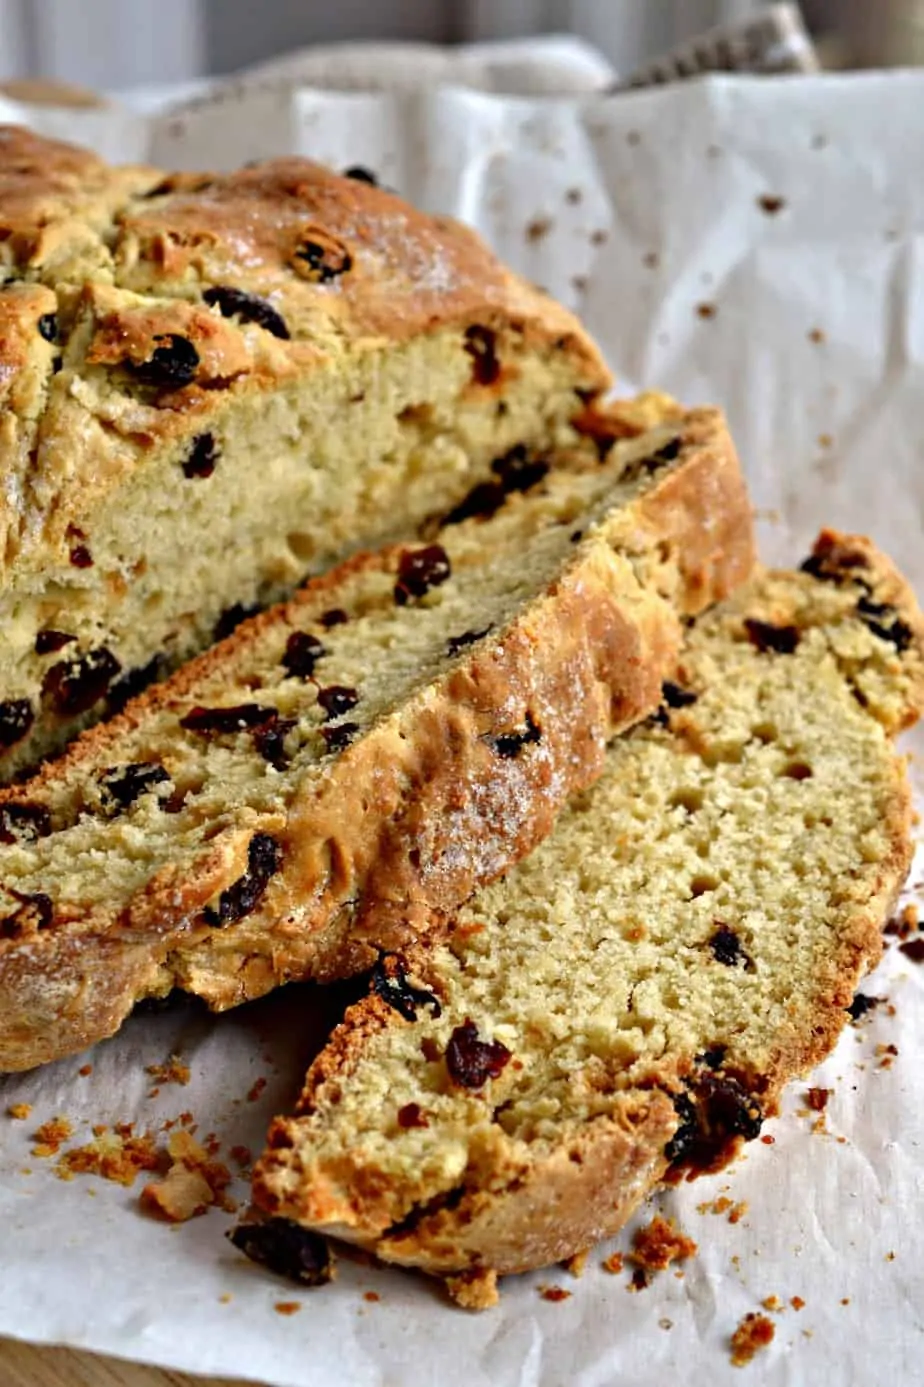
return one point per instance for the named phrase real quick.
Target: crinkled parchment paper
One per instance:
(754, 243)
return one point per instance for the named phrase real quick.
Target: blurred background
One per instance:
(115, 44)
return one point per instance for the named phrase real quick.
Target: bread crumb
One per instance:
(474, 1290)
(845, 1300)
(913, 949)
(768, 1140)
(640, 1280)
(538, 228)
(19, 1112)
(738, 1211)
(772, 1302)
(256, 1090)
(665, 1323)
(904, 923)
(371, 1296)
(554, 1293)
(84, 1070)
(890, 1256)
(192, 1184)
(113, 1156)
(817, 1098)
(242, 1155)
(173, 1072)
(598, 237)
(651, 260)
(825, 440)
(574, 196)
(614, 1263)
(797, 1302)
(287, 1307)
(225, 1298)
(816, 335)
(771, 205)
(754, 1333)
(706, 310)
(659, 1243)
(576, 1264)
(51, 1136)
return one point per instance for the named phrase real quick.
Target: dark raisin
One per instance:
(782, 640)
(120, 786)
(235, 303)
(339, 735)
(389, 981)
(861, 1004)
(287, 1249)
(419, 570)
(34, 912)
(834, 566)
(81, 557)
(480, 343)
(517, 470)
(202, 457)
(264, 859)
(896, 632)
(576, 536)
(227, 720)
(335, 617)
(685, 1136)
(913, 949)
(483, 501)
(73, 686)
(457, 643)
(510, 744)
(132, 683)
(676, 697)
(470, 1061)
(232, 617)
(302, 654)
(323, 260)
(48, 326)
(48, 641)
(269, 740)
(726, 947)
(712, 1057)
(169, 367)
(412, 1115)
(361, 175)
(667, 453)
(16, 717)
(24, 823)
(337, 699)
(720, 1110)
(56, 363)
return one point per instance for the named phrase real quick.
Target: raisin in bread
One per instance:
(213, 385)
(343, 768)
(635, 993)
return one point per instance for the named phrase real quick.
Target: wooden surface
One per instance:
(21, 1365)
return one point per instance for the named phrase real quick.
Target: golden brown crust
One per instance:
(519, 1206)
(419, 811)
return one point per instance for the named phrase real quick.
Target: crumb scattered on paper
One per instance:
(659, 1243)
(51, 1136)
(754, 1333)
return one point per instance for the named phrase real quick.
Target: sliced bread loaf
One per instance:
(344, 768)
(214, 384)
(634, 995)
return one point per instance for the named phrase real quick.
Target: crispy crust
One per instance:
(515, 1210)
(372, 854)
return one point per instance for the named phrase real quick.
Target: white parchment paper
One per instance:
(752, 243)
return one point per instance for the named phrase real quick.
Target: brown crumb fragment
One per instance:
(706, 310)
(412, 1115)
(890, 1256)
(474, 1290)
(51, 1136)
(904, 923)
(825, 440)
(85, 1070)
(845, 1300)
(576, 1264)
(659, 1243)
(256, 1090)
(797, 1302)
(242, 1155)
(816, 335)
(754, 1333)
(225, 1298)
(574, 196)
(371, 1296)
(287, 1307)
(768, 1140)
(173, 1072)
(19, 1112)
(538, 228)
(651, 260)
(192, 1184)
(817, 1098)
(112, 1156)
(738, 1211)
(599, 237)
(913, 949)
(614, 1263)
(640, 1280)
(772, 1302)
(771, 205)
(554, 1293)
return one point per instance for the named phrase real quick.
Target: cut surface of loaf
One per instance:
(214, 384)
(344, 769)
(636, 992)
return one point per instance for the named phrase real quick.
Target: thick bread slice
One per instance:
(343, 769)
(214, 384)
(637, 991)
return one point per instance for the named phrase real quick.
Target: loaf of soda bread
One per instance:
(633, 996)
(343, 770)
(212, 385)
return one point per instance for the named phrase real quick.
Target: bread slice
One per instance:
(214, 384)
(634, 995)
(341, 770)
